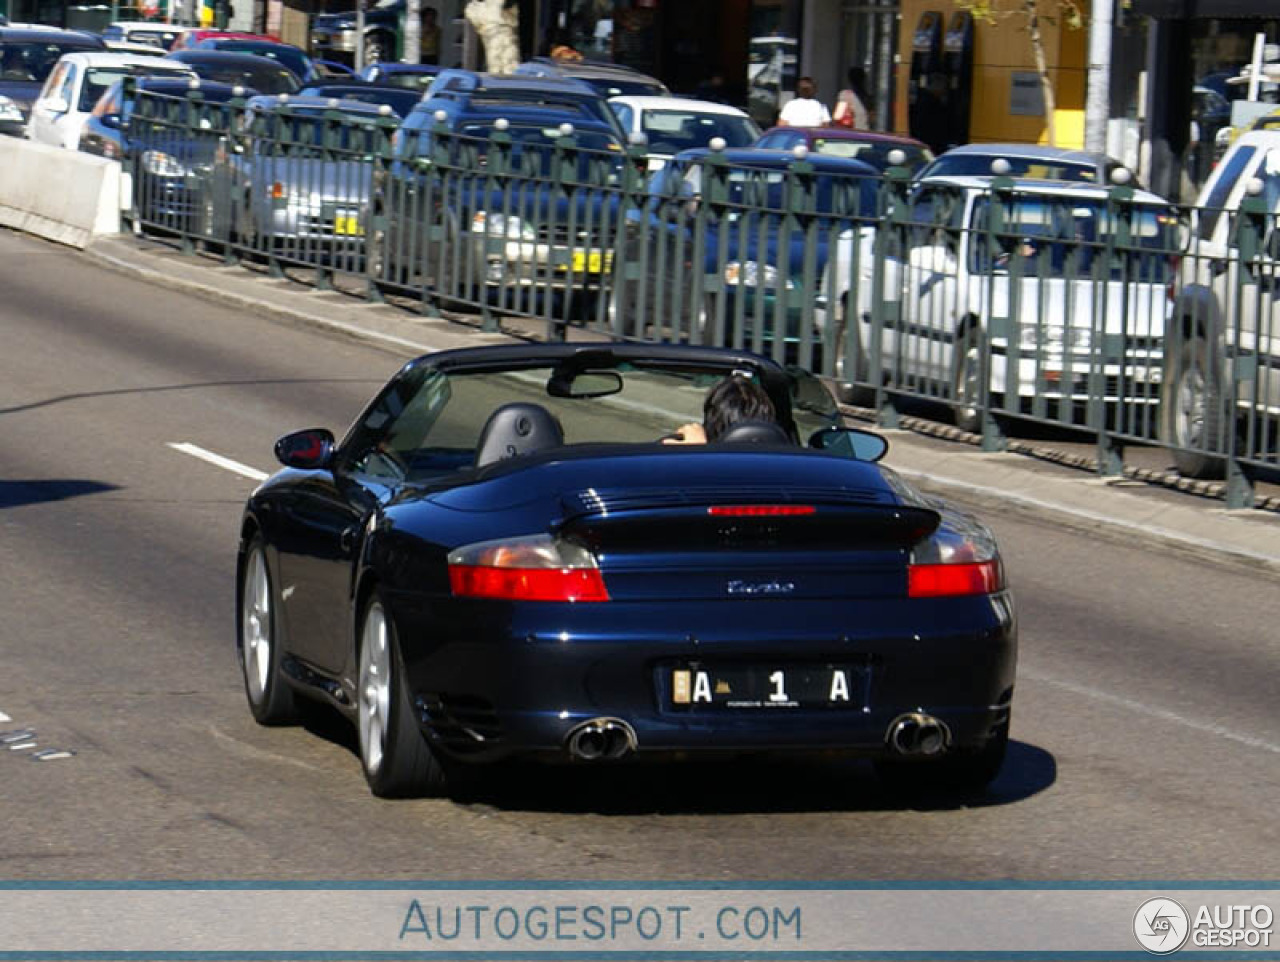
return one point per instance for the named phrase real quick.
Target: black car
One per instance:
(501, 559)
(27, 57)
(287, 55)
(400, 100)
(240, 69)
(608, 79)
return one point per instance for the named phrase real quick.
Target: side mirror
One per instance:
(850, 443)
(308, 450)
(111, 121)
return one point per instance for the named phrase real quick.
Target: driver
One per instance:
(734, 399)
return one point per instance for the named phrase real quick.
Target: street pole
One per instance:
(1097, 108)
(359, 53)
(412, 52)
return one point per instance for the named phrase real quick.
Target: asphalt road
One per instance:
(1147, 744)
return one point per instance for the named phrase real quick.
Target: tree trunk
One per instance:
(498, 25)
(1042, 68)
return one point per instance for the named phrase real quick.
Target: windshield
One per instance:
(266, 79)
(875, 154)
(33, 62)
(671, 131)
(99, 79)
(429, 424)
(1073, 237)
(292, 59)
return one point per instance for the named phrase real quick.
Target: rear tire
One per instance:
(397, 761)
(271, 700)
(1195, 415)
(968, 378)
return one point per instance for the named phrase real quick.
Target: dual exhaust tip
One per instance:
(602, 739)
(916, 733)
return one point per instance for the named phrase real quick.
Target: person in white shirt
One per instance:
(804, 110)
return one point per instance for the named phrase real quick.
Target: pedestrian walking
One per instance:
(850, 109)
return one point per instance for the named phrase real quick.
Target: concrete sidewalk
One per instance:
(1121, 509)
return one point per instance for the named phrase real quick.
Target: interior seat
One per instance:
(515, 429)
(755, 432)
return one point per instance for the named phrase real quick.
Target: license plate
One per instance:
(766, 686)
(347, 226)
(591, 262)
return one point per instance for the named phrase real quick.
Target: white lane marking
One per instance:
(4, 717)
(244, 748)
(235, 467)
(1208, 728)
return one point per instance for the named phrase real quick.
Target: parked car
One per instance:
(1063, 289)
(77, 83)
(1222, 351)
(27, 57)
(135, 48)
(333, 35)
(300, 184)
(247, 70)
(520, 243)
(192, 36)
(412, 76)
(498, 561)
(742, 268)
(867, 146)
(608, 79)
(170, 149)
(151, 32)
(400, 100)
(1026, 161)
(287, 55)
(672, 124)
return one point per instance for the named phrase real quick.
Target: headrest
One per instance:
(515, 429)
(759, 432)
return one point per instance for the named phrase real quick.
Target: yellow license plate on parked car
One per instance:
(347, 226)
(592, 262)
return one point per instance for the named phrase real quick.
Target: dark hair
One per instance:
(806, 88)
(732, 400)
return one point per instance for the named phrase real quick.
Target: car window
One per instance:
(98, 79)
(625, 115)
(671, 131)
(55, 81)
(33, 61)
(776, 141)
(1212, 204)
(979, 165)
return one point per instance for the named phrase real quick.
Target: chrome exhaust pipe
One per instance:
(601, 738)
(916, 733)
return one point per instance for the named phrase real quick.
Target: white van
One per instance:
(76, 83)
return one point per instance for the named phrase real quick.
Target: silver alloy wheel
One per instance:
(255, 621)
(375, 687)
(1190, 409)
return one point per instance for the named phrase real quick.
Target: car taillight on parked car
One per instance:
(950, 564)
(533, 568)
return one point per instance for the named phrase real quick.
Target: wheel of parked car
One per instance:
(968, 379)
(960, 771)
(847, 390)
(1195, 412)
(398, 762)
(270, 698)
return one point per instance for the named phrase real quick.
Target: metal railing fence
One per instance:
(1097, 309)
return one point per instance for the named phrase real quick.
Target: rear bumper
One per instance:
(512, 680)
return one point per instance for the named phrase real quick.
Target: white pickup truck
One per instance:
(1224, 333)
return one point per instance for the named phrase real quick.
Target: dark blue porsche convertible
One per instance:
(502, 558)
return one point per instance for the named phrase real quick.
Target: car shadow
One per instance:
(758, 785)
(14, 494)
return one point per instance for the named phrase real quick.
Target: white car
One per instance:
(1224, 332)
(74, 86)
(673, 124)
(1055, 299)
(162, 35)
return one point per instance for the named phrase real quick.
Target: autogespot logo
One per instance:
(1161, 925)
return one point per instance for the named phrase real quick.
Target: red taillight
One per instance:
(760, 510)
(943, 580)
(277, 191)
(528, 584)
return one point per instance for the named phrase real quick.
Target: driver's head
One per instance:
(735, 399)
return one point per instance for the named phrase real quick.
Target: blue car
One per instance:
(729, 262)
(501, 559)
